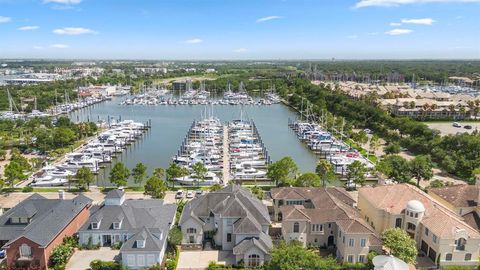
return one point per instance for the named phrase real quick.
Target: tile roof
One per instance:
(462, 195)
(439, 219)
(318, 196)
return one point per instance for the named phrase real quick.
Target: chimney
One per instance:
(61, 194)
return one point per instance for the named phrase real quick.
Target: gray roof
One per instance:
(263, 242)
(47, 218)
(231, 201)
(134, 215)
(152, 241)
(115, 194)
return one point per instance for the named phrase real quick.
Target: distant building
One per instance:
(31, 229)
(179, 85)
(141, 226)
(325, 217)
(232, 219)
(441, 234)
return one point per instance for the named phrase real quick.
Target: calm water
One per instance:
(171, 123)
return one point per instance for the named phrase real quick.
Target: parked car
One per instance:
(467, 127)
(456, 124)
(190, 194)
(368, 131)
(179, 194)
(199, 193)
(3, 253)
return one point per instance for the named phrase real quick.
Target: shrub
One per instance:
(27, 189)
(60, 256)
(103, 265)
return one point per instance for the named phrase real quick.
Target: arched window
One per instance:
(461, 242)
(448, 257)
(296, 227)
(411, 226)
(253, 260)
(398, 223)
(191, 230)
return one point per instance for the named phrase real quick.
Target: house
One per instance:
(441, 234)
(324, 217)
(232, 219)
(462, 199)
(30, 230)
(140, 226)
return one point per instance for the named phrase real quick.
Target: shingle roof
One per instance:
(48, 217)
(437, 218)
(263, 242)
(152, 241)
(115, 194)
(458, 195)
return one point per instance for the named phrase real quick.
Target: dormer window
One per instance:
(116, 225)
(95, 225)
(140, 243)
(19, 220)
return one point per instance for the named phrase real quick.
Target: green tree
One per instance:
(400, 244)
(156, 187)
(139, 173)
(308, 179)
(257, 191)
(60, 255)
(119, 174)
(396, 168)
(361, 137)
(392, 148)
(13, 172)
(175, 236)
(421, 168)
(159, 172)
(294, 256)
(282, 172)
(200, 171)
(374, 143)
(83, 178)
(174, 171)
(215, 187)
(324, 169)
(356, 173)
(63, 136)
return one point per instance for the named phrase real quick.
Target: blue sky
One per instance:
(240, 29)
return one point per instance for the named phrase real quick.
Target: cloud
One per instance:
(73, 31)
(28, 28)
(398, 31)
(395, 24)
(396, 3)
(241, 50)
(64, 2)
(352, 36)
(193, 41)
(37, 47)
(59, 46)
(268, 18)
(424, 21)
(4, 19)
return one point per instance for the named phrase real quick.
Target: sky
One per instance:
(240, 29)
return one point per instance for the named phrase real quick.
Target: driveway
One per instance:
(196, 260)
(81, 258)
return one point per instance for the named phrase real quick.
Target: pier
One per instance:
(226, 157)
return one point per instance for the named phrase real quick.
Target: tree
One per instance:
(175, 236)
(159, 172)
(60, 255)
(400, 244)
(200, 171)
(13, 172)
(156, 187)
(392, 148)
(257, 191)
(294, 256)
(396, 168)
(63, 136)
(324, 169)
(84, 177)
(119, 174)
(139, 173)
(308, 179)
(215, 187)
(283, 171)
(361, 137)
(374, 143)
(356, 173)
(174, 171)
(421, 168)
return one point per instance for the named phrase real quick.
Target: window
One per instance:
(191, 239)
(131, 260)
(361, 258)
(411, 226)
(363, 242)
(343, 239)
(350, 258)
(339, 233)
(24, 220)
(426, 231)
(329, 225)
(416, 215)
(191, 230)
(95, 226)
(468, 257)
(461, 244)
(317, 228)
(141, 260)
(150, 260)
(116, 225)
(140, 243)
(448, 256)
(351, 242)
(25, 250)
(398, 223)
(296, 227)
(229, 237)
(253, 260)
(434, 238)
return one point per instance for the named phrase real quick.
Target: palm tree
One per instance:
(451, 108)
(324, 169)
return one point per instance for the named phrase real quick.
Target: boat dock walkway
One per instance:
(226, 156)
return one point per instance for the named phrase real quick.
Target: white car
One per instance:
(179, 194)
(190, 194)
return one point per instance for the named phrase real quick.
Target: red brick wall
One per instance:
(42, 255)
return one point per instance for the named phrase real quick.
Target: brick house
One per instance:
(30, 230)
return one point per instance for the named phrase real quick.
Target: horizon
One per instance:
(249, 30)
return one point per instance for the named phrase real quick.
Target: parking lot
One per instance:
(447, 128)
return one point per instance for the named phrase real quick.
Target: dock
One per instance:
(226, 156)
